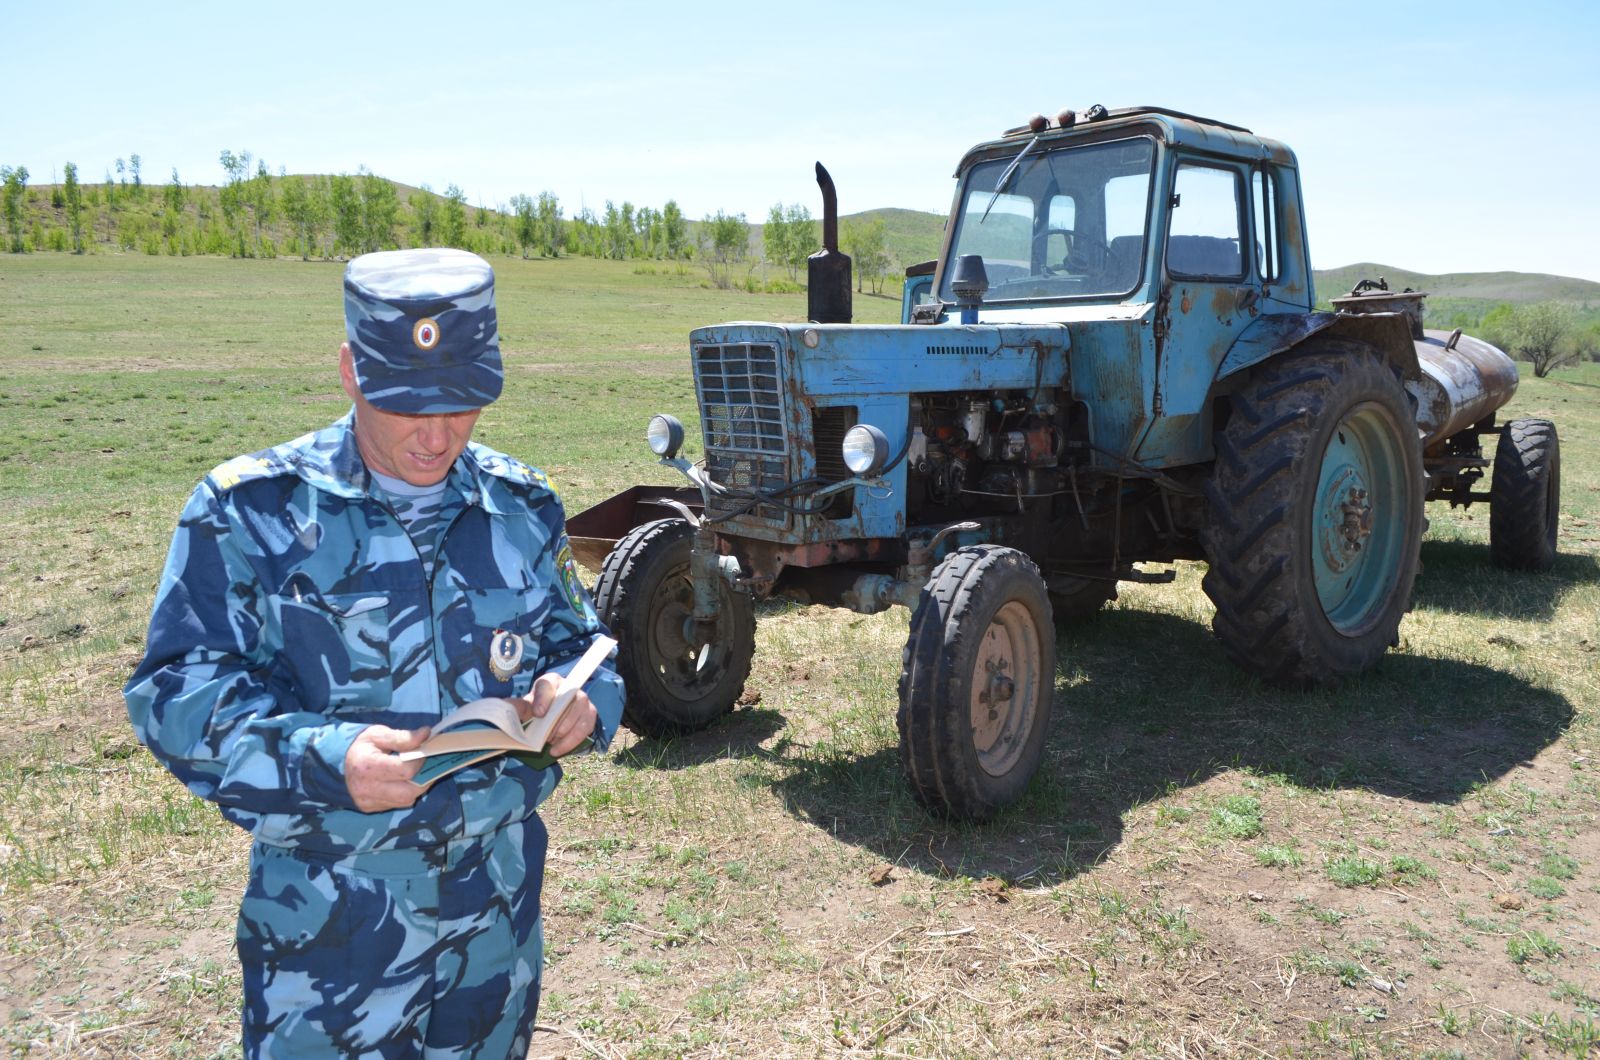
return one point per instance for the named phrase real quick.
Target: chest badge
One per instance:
(505, 654)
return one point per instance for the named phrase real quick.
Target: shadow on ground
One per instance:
(739, 735)
(1134, 723)
(1457, 577)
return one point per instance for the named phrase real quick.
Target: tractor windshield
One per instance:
(1068, 222)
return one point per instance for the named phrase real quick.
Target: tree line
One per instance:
(256, 213)
(1547, 335)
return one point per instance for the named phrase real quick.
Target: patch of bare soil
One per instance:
(125, 963)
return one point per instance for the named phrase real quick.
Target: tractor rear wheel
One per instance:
(1316, 516)
(646, 598)
(976, 683)
(1525, 496)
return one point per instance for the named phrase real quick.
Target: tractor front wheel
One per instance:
(976, 683)
(677, 683)
(1316, 516)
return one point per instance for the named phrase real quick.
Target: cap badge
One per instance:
(425, 333)
(505, 654)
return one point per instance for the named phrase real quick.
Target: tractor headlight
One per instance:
(866, 449)
(665, 435)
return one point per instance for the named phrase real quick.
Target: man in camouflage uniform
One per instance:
(323, 603)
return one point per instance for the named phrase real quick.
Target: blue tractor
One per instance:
(1116, 360)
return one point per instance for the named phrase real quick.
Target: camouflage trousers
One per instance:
(405, 953)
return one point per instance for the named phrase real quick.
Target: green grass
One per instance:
(1239, 817)
(1532, 945)
(1545, 887)
(1353, 871)
(1190, 831)
(1279, 856)
(1571, 1035)
(1409, 870)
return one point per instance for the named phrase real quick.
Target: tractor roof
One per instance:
(1172, 126)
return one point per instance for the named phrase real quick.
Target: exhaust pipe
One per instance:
(828, 271)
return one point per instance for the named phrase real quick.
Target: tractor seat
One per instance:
(1204, 256)
(1122, 262)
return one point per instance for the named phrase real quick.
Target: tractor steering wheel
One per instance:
(1041, 246)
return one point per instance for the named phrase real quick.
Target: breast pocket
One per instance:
(337, 647)
(502, 653)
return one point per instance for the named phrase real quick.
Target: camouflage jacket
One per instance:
(294, 611)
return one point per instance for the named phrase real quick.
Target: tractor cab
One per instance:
(1124, 207)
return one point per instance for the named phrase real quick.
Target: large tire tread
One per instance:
(1267, 618)
(933, 719)
(1522, 511)
(622, 593)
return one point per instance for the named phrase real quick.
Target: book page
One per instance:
(482, 725)
(485, 728)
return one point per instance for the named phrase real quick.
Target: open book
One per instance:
(485, 728)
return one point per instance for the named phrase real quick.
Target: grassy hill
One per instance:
(1486, 286)
(197, 222)
(913, 235)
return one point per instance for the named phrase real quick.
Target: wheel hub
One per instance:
(998, 690)
(685, 652)
(1346, 519)
(1359, 521)
(1004, 688)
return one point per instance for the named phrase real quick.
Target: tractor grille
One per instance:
(741, 415)
(828, 427)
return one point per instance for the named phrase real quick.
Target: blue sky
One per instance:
(1440, 137)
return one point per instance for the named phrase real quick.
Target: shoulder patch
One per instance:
(543, 482)
(571, 586)
(241, 468)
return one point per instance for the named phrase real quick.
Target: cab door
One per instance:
(1210, 292)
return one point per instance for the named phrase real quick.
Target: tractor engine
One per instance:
(971, 451)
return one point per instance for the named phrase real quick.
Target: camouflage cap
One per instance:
(422, 330)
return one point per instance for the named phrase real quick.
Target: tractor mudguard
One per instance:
(1388, 333)
(595, 531)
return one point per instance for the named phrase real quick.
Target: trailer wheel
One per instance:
(645, 596)
(1525, 496)
(1074, 600)
(976, 683)
(1316, 516)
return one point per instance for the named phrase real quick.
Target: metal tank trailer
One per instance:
(1116, 361)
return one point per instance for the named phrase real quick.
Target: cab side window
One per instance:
(1203, 239)
(1264, 208)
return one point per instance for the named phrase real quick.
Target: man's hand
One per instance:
(376, 778)
(577, 721)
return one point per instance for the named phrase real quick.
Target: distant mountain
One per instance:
(146, 219)
(1477, 286)
(915, 235)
